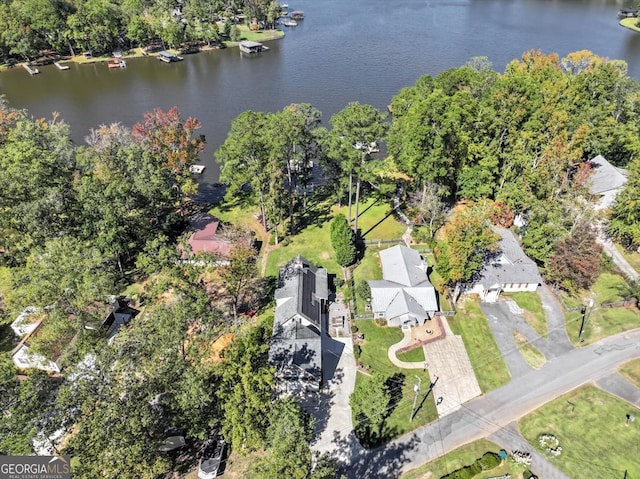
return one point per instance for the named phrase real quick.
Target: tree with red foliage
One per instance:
(172, 140)
(575, 262)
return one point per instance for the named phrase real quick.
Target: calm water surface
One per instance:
(344, 50)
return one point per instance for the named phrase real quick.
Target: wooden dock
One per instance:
(61, 66)
(30, 69)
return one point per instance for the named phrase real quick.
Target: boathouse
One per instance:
(249, 47)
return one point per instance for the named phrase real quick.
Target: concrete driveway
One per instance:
(333, 431)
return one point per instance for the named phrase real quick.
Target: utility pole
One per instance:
(416, 389)
(585, 318)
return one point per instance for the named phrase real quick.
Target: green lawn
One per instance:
(632, 257)
(631, 371)
(602, 322)
(374, 355)
(257, 36)
(533, 311)
(461, 457)
(314, 242)
(488, 364)
(630, 23)
(594, 436)
(376, 220)
(415, 355)
(529, 352)
(368, 269)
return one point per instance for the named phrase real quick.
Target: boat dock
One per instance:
(30, 69)
(249, 47)
(197, 169)
(168, 57)
(61, 66)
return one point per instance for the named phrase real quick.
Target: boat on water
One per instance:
(297, 15)
(628, 12)
(197, 169)
(61, 66)
(288, 23)
(284, 6)
(168, 57)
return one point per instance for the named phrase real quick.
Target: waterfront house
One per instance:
(299, 324)
(404, 296)
(207, 236)
(509, 270)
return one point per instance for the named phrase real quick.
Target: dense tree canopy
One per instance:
(71, 26)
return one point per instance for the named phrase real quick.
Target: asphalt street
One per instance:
(490, 414)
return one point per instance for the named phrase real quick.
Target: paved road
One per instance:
(491, 413)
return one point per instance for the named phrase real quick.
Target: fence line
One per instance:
(618, 304)
(380, 242)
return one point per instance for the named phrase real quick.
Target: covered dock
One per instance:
(168, 57)
(249, 47)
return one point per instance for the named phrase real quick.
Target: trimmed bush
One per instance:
(488, 461)
(357, 351)
(343, 241)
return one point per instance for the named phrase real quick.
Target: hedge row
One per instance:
(488, 461)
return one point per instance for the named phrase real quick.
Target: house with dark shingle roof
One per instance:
(605, 182)
(509, 270)
(300, 317)
(404, 295)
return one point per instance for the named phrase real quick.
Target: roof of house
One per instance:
(206, 236)
(296, 342)
(510, 265)
(605, 177)
(405, 286)
(403, 265)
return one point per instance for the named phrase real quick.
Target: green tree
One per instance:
(624, 223)
(288, 435)
(245, 390)
(468, 239)
(237, 274)
(354, 129)
(343, 240)
(369, 406)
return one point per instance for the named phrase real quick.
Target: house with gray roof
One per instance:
(299, 324)
(404, 295)
(509, 270)
(605, 182)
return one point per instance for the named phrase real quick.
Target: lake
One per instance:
(355, 50)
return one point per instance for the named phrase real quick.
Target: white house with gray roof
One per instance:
(510, 270)
(404, 295)
(299, 323)
(605, 182)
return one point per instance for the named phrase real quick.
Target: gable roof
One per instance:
(206, 237)
(403, 304)
(296, 345)
(403, 265)
(605, 177)
(511, 265)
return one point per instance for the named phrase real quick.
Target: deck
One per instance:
(30, 69)
(60, 66)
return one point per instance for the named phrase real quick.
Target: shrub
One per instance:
(357, 351)
(488, 461)
(343, 241)
(363, 290)
(354, 328)
(467, 472)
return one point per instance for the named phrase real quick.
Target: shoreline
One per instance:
(138, 52)
(630, 23)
